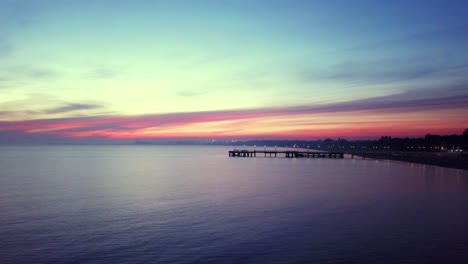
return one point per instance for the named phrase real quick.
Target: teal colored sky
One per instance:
(197, 69)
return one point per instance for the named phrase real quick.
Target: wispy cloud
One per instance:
(26, 72)
(36, 73)
(71, 107)
(454, 36)
(22, 77)
(191, 93)
(384, 71)
(42, 106)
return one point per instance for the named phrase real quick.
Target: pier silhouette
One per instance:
(287, 153)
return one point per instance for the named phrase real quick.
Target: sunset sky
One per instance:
(109, 70)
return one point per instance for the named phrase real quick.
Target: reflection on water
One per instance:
(129, 204)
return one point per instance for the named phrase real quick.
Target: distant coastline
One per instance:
(441, 159)
(448, 151)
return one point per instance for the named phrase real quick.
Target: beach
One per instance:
(455, 160)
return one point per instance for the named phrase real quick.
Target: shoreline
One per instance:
(446, 160)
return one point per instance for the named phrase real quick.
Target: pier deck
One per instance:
(287, 154)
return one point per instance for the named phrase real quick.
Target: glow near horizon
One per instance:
(113, 63)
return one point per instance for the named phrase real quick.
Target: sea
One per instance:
(195, 204)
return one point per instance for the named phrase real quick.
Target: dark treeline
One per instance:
(429, 143)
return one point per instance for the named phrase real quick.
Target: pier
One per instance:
(287, 154)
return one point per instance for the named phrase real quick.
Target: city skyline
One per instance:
(128, 70)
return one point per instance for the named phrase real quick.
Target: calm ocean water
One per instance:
(157, 204)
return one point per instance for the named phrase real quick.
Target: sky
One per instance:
(95, 71)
